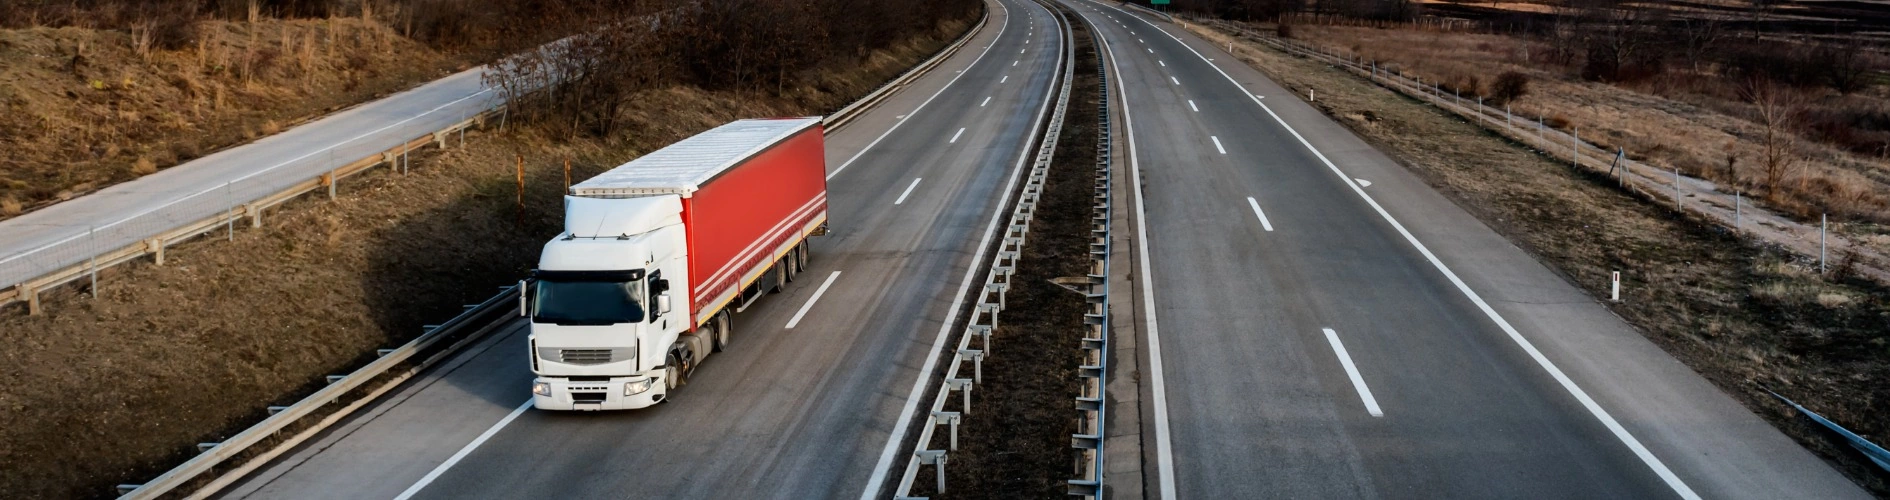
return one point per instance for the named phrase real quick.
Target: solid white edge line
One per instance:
(1264, 223)
(1621, 433)
(961, 131)
(1351, 370)
(928, 100)
(987, 100)
(1216, 138)
(1164, 450)
(902, 196)
(818, 292)
(463, 451)
(877, 479)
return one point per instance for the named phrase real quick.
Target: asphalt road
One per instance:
(1322, 324)
(787, 413)
(72, 231)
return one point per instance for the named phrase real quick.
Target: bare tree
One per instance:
(1778, 108)
(1697, 36)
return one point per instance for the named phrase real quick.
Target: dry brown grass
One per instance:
(143, 167)
(77, 105)
(1686, 121)
(10, 207)
(1739, 315)
(98, 392)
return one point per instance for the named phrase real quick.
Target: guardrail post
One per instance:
(32, 298)
(255, 215)
(936, 459)
(948, 418)
(328, 180)
(977, 363)
(156, 247)
(962, 385)
(983, 331)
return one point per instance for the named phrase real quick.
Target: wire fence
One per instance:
(78, 251)
(1689, 195)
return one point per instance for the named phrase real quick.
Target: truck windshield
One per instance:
(587, 302)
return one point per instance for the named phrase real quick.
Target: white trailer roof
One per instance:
(683, 167)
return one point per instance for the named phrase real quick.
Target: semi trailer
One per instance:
(657, 254)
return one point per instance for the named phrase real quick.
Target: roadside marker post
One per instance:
(1614, 289)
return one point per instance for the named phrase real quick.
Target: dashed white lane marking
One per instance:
(1197, 110)
(1264, 223)
(819, 292)
(1217, 141)
(961, 131)
(987, 100)
(902, 196)
(1364, 393)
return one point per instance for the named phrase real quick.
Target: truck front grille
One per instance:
(587, 397)
(586, 356)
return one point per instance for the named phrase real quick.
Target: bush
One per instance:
(1286, 30)
(1509, 86)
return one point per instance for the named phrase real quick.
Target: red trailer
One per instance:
(730, 208)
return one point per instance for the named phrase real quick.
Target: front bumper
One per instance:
(565, 394)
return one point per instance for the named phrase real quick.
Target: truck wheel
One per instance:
(801, 256)
(780, 276)
(722, 327)
(673, 373)
(793, 264)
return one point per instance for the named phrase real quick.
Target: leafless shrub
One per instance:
(1509, 86)
(1777, 108)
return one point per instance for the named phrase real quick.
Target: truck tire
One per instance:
(722, 331)
(801, 256)
(780, 276)
(793, 264)
(674, 376)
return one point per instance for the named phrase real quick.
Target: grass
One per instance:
(115, 389)
(88, 108)
(1743, 316)
(1686, 119)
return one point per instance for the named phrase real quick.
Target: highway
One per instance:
(1320, 323)
(74, 230)
(803, 404)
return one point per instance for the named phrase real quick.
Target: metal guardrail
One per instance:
(209, 210)
(480, 317)
(1651, 182)
(984, 317)
(1094, 399)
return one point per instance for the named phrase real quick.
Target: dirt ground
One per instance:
(1688, 118)
(97, 392)
(1015, 442)
(80, 109)
(1744, 316)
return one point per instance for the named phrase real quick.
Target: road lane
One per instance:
(1259, 405)
(785, 413)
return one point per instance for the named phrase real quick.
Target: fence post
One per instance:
(1677, 204)
(1574, 148)
(229, 198)
(1506, 122)
(1823, 221)
(1736, 212)
(92, 234)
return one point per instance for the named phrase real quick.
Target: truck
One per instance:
(657, 254)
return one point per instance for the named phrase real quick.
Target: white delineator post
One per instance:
(1614, 288)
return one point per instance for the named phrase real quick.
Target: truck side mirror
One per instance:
(523, 310)
(662, 304)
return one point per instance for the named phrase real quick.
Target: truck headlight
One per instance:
(541, 388)
(636, 387)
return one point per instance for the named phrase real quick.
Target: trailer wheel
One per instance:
(722, 333)
(793, 264)
(801, 256)
(673, 372)
(780, 276)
